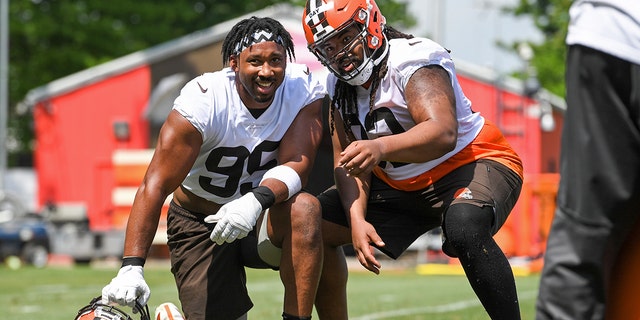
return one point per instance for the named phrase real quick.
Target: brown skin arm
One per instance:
(431, 102)
(354, 192)
(178, 146)
(294, 225)
(298, 147)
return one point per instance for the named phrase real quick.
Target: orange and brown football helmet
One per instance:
(324, 19)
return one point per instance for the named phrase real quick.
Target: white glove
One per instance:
(127, 287)
(235, 219)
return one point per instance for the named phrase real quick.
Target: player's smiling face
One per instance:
(259, 72)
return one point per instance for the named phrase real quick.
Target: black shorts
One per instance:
(211, 279)
(400, 217)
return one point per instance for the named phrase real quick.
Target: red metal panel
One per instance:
(509, 111)
(75, 140)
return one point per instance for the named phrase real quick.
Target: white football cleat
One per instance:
(168, 311)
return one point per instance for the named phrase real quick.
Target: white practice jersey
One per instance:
(391, 112)
(238, 149)
(611, 26)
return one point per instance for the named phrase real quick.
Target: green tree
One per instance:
(50, 39)
(551, 17)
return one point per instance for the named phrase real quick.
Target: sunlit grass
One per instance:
(57, 293)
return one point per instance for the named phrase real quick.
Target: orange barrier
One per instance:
(525, 232)
(129, 167)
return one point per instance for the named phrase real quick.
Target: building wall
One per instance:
(75, 138)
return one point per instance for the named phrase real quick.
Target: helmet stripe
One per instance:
(316, 19)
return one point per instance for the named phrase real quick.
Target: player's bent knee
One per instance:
(464, 226)
(300, 215)
(306, 219)
(305, 209)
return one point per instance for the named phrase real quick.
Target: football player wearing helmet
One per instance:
(97, 310)
(368, 37)
(410, 155)
(234, 154)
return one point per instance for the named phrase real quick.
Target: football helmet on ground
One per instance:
(96, 310)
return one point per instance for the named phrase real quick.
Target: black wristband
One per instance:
(265, 196)
(133, 261)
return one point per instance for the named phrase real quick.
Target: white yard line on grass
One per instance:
(455, 306)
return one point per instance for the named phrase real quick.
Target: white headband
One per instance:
(257, 37)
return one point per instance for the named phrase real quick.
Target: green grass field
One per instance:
(57, 293)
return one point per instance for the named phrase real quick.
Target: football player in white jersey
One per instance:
(410, 155)
(235, 152)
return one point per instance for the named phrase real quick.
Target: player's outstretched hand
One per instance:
(235, 219)
(363, 235)
(127, 287)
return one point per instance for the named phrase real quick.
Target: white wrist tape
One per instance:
(287, 175)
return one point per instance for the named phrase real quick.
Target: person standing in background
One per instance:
(598, 198)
